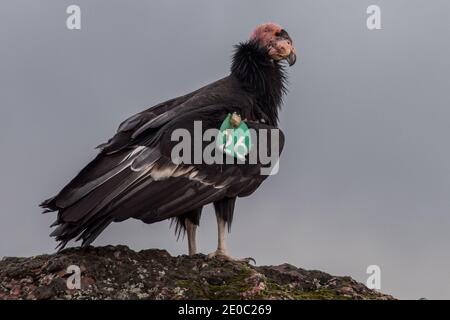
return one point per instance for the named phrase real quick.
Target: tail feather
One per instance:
(82, 205)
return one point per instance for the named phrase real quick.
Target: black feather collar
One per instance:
(262, 76)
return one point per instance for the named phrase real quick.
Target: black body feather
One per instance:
(133, 177)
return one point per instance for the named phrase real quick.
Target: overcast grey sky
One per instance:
(365, 175)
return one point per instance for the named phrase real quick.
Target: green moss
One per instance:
(284, 291)
(320, 294)
(234, 286)
(232, 289)
(194, 290)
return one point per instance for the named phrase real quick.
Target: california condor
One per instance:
(134, 175)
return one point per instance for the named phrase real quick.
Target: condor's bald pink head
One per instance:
(276, 41)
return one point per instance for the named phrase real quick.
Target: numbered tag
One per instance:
(235, 142)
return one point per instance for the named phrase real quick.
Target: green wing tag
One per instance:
(234, 140)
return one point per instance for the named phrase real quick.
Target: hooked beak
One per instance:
(291, 58)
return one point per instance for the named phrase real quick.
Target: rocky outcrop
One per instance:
(117, 272)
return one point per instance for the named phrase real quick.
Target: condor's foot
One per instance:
(220, 254)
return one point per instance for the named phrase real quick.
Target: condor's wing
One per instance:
(143, 183)
(144, 128)
(138, 129)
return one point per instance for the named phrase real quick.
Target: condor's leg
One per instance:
(224, 214)
(221, 245)
(191, 230)
(188, 223)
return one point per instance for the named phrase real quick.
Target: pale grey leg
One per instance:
(221, 245)
(191, 230)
